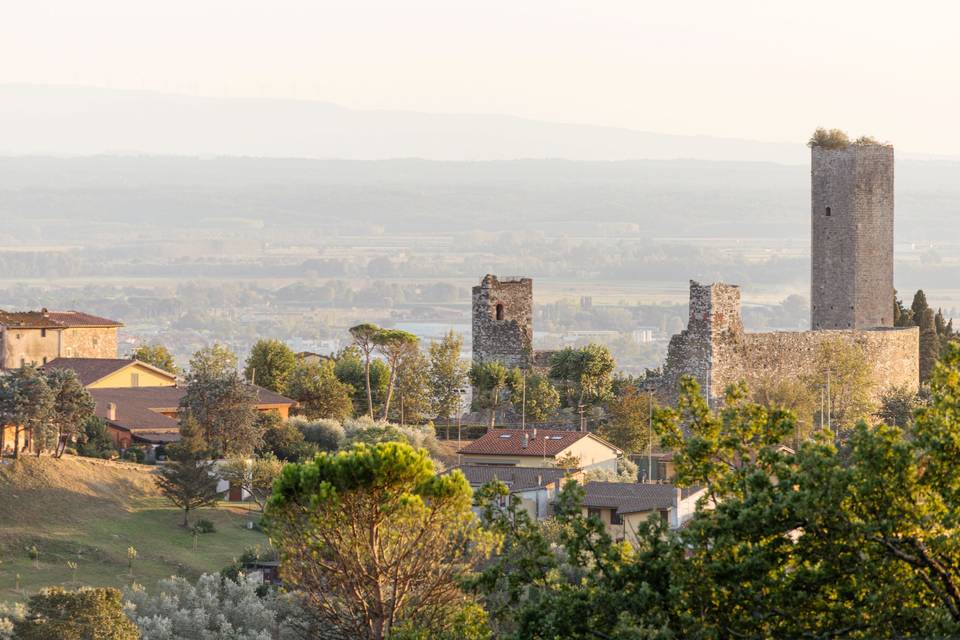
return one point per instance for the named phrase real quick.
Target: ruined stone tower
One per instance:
(851, 285)
(503, 321)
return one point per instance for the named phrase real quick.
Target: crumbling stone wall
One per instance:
(851, 282)
(716, 350)
(503, 321)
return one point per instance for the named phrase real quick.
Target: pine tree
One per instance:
(188, 480)
(929, 344)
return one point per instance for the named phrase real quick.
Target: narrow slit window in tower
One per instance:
(828, 212)
(499, 311)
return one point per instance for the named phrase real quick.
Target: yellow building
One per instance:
(541, 448)
(38, 337)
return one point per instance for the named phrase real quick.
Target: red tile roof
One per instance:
(540, 442)
(138, 408)
(44, 319)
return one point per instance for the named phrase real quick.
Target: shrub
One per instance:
(829, 139)
(134, 454)
(204, 526)
(70, 451)
(369, 432)
(326, 434)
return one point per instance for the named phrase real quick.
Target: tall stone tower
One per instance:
(503, 321)
(851, 284)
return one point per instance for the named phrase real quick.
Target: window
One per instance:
(44, 359)
(828, 212)
(665, 516)
(23, 362)
(134, 379)
(43, 333)
(593, 511)
(615, 518)
(499, 311)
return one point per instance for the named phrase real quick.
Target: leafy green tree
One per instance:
(628, 421)
(350, 368)
(448, 374)
(319, 392)
(221, 403)
(844, 368)
(792, 393)
(282, 439)
(586, 374)
(413, 389)
(215, 361)
(489, 380)
(395, 346)
(375, 540)
(902, 316)
(85, 614)
(532, 394)
(365, 338)
(156, 355)
(26, 402)
(270, 364)
(254, 476)
(72, 406)
(188, 479)
(929, 345)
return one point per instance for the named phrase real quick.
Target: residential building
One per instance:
(540, 448)
(139, 402)
(624, 506)
(535, 488)
(37, 337)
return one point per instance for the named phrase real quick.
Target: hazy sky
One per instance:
(758, 70)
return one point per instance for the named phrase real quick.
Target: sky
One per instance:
(734, 68)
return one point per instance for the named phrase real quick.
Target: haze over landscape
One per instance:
(440, 276)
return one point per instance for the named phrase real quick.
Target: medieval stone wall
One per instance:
(852, 214)
(716, 350)
(503, 321)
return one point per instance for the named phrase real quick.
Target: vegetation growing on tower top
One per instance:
(838, 139)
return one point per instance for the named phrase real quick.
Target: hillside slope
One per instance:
(90, 512)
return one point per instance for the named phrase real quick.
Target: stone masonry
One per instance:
(851, 285)
(717, 352)
(503, 321)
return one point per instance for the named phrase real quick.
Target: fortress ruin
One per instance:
(851, 291)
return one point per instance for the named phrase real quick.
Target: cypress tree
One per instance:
(929, 344)
(919, 307)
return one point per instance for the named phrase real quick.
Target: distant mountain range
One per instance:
(74, 120)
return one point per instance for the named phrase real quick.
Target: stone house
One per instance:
(37, 337)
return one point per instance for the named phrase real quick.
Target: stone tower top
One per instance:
(714, 308)
(503, 321)
(851, 284)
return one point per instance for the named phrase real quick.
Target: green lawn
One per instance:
(70, 523)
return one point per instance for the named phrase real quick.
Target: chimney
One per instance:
(44, 312)
(526, 441)
(112, 411)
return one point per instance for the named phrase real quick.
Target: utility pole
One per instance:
(580, 410)
(829, 407)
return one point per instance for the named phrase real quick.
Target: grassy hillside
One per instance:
(90, 512)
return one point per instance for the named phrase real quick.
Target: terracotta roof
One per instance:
(44, 319)
(89, 370)
(540, 442)
(516, 478)
(632, 497)
(155, 437)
